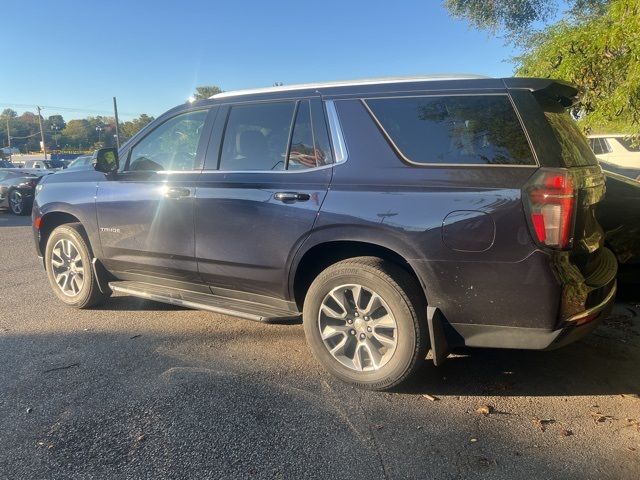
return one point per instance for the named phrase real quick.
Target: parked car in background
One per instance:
(10, 150)
(621, 151)
(619, 215)
(43, 164)
(393, 215)
(17, 189)
(6, 164)
(81, 163)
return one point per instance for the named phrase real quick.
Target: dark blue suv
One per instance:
(393, 215)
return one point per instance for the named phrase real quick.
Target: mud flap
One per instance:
(101, 276)
(439, 345)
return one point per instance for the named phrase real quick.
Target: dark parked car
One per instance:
(6, 164)
(395, 216)
(17, 188)
(619, 215)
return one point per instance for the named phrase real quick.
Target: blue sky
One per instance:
(77, 54)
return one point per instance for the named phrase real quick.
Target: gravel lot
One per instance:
(138, 389)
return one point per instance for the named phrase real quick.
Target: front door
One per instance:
(266, 175)
(145, 211)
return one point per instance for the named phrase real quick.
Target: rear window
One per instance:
(464, 130)
(574, 149)
(599, 146)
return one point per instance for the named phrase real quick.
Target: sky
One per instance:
(72, 57)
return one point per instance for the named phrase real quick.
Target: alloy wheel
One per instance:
(16, 202)
(67, 266)
(357, 327)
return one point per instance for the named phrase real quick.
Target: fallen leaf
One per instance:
(599, 417)
(542, 423)
(485, 410)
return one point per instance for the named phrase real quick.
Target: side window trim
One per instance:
(199, 160)
(397, 150)
(340, 153)
(292, 126)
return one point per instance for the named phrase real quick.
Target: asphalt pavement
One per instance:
(138, 389)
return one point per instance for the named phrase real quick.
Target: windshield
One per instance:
(575, 149)
(630, 144)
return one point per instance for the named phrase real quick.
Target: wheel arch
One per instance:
(318, 256)
(50, 221)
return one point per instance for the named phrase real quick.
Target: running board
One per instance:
(202, 301)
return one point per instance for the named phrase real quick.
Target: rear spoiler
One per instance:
(546, 90)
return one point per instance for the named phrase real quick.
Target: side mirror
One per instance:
(105, 160)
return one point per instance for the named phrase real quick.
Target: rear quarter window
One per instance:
(574, 149)
(459, 130)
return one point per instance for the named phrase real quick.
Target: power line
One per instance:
(67, 109)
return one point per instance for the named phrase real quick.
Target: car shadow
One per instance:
(604, 363)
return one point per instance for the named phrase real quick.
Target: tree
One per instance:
(596, 46)
(600, 54)
(57, 120)
(131, 127)
(205, 92)
(516, 18)
(7, 112)
(78, 133)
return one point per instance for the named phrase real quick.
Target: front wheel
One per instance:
(365, 321)
(17, 203)
(68, 263)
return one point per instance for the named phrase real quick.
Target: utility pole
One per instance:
(115, 111)
(9, 138)
(44, 147)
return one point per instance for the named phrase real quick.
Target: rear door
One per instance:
(267, 171)
(145, 210)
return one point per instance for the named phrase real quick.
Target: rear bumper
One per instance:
(570, 330)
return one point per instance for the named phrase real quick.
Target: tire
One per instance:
(66, 243)
(17, 203)
(363, 352)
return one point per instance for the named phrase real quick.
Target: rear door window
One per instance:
(453, 130)
(302, 153)
(271, 136)
(257, 136)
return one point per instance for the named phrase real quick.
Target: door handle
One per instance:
(288, 197)
(177, 192)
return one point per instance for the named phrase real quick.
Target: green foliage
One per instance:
(130, 128)
(518, 18)
(8, 112)
(205, 92)
(87, 133)
(600, 54)
(512, 16)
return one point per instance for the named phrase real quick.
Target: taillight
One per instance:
(551, 202)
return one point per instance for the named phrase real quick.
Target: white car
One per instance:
(619, 150)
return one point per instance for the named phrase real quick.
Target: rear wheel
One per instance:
(364, 319)
(68, 262)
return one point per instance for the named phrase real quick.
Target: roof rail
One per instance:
(345, 83)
